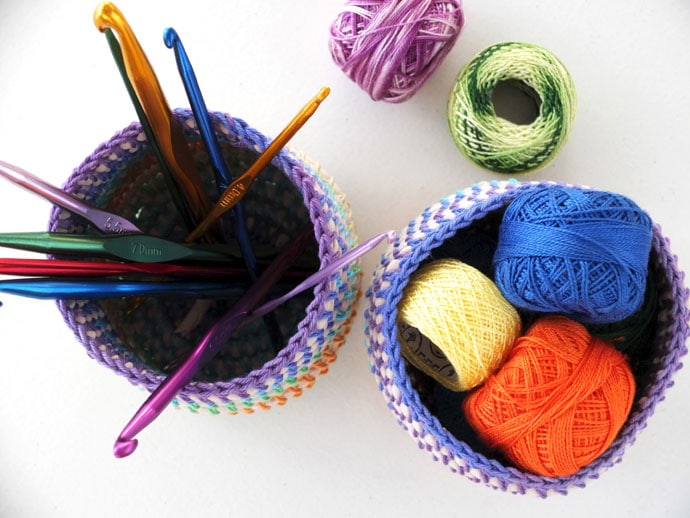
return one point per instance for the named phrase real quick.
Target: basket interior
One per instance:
(137, 189)
(446, 405)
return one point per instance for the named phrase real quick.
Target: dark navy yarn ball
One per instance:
(580, 252)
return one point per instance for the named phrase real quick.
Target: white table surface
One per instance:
(336, 451)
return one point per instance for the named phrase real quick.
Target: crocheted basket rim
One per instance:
(438, 223)
(313, 342)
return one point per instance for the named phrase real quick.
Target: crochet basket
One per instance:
(136, 339)
(407, 393)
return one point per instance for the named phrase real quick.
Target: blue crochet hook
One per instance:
(223, 176)
(46, 288)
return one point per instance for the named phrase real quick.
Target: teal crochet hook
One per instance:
(130, 247)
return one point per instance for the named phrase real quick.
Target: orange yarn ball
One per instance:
(557, 403)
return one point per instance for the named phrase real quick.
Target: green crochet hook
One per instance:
(130, 247)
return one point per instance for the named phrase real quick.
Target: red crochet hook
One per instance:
(62, 268)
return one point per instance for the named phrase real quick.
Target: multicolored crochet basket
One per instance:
(136, 339)
(406, 393)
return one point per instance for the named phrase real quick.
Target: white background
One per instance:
(337, 451)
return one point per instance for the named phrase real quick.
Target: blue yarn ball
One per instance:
(580, 252)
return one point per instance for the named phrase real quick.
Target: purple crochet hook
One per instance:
(217, 336)
(105, 221)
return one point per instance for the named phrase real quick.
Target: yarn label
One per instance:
(426, 352)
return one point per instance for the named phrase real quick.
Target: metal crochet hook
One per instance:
(46, 288)
(237, 189)
(223, 176)
(173, 189)
(242, 312)
(131, 247)
(101, 219)
(198, 105)
(64, 268)
(168, 133)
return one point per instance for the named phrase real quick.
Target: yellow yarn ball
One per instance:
(455, 325)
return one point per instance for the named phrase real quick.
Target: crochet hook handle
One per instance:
(103, 220)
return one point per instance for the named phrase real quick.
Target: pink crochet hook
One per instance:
(217, 336)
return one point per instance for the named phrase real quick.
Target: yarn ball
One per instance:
(493, 142)
(390, 48)
(575, 251)
(558, 402)
(455, 325)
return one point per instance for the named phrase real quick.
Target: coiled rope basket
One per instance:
(137, 340)
(407, 394)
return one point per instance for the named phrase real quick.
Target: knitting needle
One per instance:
(223, 176)
(168, 133)
(175, 194)
(237, 189)
(218, 335)
(102, 220)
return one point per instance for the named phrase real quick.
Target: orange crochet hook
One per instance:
(237, 189)
(168, 133)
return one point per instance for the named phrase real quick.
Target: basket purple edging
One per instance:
(438, 223)
(328, 316)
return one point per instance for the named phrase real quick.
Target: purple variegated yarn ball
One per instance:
(391, 47)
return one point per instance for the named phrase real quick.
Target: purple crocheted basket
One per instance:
(136, 340)
(406, 393)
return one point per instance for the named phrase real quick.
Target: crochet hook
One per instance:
(168, 133)
(46, 288)
(175, 195)
(104, 221)
(243, 311)
(237, 189)
(64, 268)
(131, 247)
(223, 176)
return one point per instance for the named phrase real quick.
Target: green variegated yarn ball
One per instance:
(494, 142)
